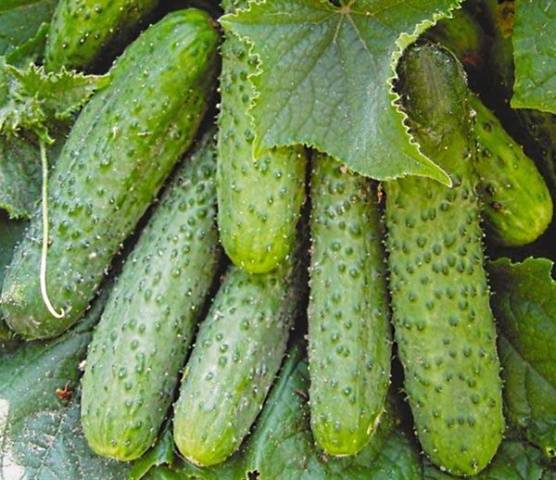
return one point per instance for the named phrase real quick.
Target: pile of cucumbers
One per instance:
(221, 260)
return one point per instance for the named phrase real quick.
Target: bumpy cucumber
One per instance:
(122, 147)
(517, 202)
(82, 29)
(535, 130)
(349, 336)
(147, 326)
(237, 354)
(259, 199)
(440, 297)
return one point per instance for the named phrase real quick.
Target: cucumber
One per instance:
(349, 335)
(463, 36)
(148, 324)
(259, 199)
(516, 201)
(81, 30)
(237, 354)
(444, 326)
(122, 147)
(535, 130)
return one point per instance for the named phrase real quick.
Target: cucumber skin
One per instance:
(81, 29)
(463, 36)
(237, 354)
(516, 200)
(349, 333)
(107, 175)
(151, 314)
(440, 298)
(259, 199)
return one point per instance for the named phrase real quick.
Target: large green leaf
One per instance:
(40, 433)
(326, 74)
(282, 446)
(514, 461)
(21, 19)
(525, 308)
(535, 55)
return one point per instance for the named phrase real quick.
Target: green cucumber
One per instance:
(349, 335)
(535, 130)
(463, 36)
(444, 326)
(237, 353)
(81, 30)
(516, 201)
(259, 199)
(148, 324)
(122, 147)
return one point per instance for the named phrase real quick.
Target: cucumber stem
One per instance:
(44, 292)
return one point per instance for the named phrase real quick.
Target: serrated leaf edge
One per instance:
(404, 40)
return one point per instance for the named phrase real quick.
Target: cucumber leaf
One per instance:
(21, 19)
(525, 308)
(40, 429)
(535, 55)
(515, 460)
(34, 105)
(282, 446)
(325, 78)
(32, 99)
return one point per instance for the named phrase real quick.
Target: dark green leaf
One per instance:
(535, 55)
(525, 308)
(40, 432)
(326, 75)
(21, 19)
